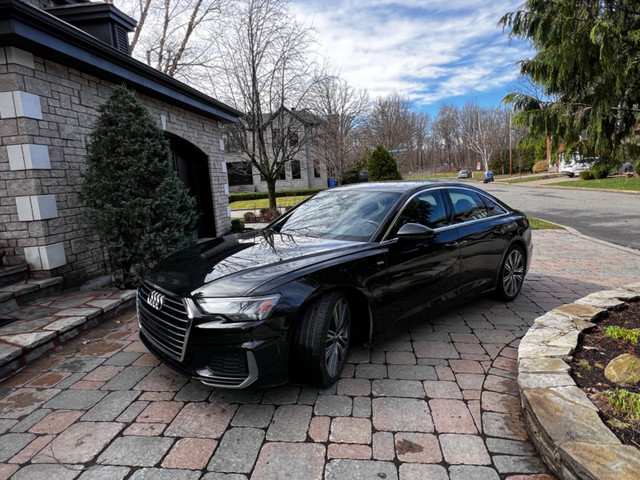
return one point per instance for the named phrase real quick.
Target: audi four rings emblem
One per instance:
(156, 300)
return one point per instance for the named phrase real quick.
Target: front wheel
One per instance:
(322, 340)
(511, 275)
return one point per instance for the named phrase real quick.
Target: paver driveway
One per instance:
(438, 401)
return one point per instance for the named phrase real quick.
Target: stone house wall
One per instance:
(47, 111)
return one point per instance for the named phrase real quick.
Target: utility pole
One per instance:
(510, 152)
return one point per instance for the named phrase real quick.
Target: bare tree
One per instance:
(341, 108)
(171, 35)
(448, 138)
(393, 125)
(416, 156)
(390, 122)
(265, 70)
(482, 130)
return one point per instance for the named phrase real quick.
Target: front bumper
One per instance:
(231, 356)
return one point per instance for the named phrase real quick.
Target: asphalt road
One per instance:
(610, 216)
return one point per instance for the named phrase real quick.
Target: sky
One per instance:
(432, 51)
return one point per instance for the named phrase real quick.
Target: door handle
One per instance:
(451, 245)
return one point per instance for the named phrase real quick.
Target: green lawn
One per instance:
(264, 202)
(618, 183)
(433, 177)
(537, 224)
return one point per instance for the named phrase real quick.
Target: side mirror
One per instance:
(413, 230)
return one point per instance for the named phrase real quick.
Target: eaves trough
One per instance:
(44, 35)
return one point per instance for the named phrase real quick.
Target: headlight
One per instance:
(240, 309)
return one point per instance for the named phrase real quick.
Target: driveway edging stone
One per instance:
(562, 421)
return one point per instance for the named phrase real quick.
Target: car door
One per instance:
(483, 237)
(422, 270)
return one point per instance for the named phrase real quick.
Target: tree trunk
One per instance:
(271, 188)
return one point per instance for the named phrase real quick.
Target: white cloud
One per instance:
(428, 50)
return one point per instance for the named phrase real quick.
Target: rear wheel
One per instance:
(511, 276)
(322, 340)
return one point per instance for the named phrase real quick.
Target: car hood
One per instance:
(235, 265)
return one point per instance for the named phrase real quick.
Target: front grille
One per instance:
(166, 327)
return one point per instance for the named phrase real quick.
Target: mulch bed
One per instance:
(595, 350)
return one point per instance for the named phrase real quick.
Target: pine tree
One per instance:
(587, 61)
(135, 200)
(382, 166)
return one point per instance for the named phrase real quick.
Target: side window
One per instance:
(426, 208)
(467, 206)
(492, 207)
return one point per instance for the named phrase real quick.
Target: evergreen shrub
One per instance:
(134, 199)
(382, 166)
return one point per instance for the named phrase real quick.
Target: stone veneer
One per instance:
(47, 111)
(563, 423)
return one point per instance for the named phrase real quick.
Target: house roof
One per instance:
(303, 116)
(36, 31)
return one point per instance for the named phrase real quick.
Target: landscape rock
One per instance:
(623, 370)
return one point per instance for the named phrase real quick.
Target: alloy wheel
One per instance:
(513, 273)
(337, 337)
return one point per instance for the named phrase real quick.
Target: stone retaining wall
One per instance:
(563, 423)
(47, 112)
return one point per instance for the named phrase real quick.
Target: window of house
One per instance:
(295, 169)
(275, 135)
(231, 143)
(293, 138)
(316, 168)
(280, 176)
(240, 173)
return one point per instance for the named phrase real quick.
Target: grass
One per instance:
(434, 175)
(617, 183)
(537, 224)
(620, 333)
(624, 402)
(264, 203)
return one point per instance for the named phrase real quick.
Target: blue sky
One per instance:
(433, 51)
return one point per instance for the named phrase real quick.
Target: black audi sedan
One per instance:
(350, 263)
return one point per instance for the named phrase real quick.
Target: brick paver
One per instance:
(436, 401)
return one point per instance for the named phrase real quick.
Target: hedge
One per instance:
(238, 197)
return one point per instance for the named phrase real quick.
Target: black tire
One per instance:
(511, 274)
(322, 340)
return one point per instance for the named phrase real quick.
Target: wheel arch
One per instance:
(519, 242)
(361, 317)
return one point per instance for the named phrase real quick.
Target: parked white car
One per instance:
(575, 164)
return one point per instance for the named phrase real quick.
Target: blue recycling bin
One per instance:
(333, 183)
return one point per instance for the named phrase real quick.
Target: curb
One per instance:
(606, 243)
(632, 192)
(562, 421)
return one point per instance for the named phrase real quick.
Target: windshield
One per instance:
(339, 214)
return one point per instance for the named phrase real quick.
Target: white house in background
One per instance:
(305, 170)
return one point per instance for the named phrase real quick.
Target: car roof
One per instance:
(400, 187)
